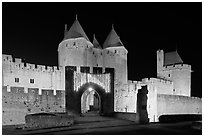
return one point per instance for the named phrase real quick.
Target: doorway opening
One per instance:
(90, 102)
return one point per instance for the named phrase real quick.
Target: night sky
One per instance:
(33, 31)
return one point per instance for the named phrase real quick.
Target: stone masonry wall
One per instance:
(175, 104)
(16, 104)
(19, 74)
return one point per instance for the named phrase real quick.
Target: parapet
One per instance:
(156, 81)
(134, 82)
(7, 58)
(29, 66)
(159, 50)
(177, 66)
(18, 60)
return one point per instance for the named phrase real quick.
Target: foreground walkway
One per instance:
(97, 125)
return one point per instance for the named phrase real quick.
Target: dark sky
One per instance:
(32, 31)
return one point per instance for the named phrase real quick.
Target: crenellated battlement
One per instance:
(18, 64)
(156, 80)
(177, 66)
(6, 58)
(134, 82)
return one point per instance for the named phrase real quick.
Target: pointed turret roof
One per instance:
(95, 43)
(113, 40)
(75, 31)
(171, 58)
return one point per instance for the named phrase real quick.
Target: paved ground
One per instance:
(97, 125)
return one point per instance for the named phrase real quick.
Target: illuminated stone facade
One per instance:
(101, 79)
(29, 88)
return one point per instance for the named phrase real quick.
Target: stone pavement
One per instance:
(97, 125)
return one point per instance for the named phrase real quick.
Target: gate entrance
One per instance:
(89, 92)
(90, 102)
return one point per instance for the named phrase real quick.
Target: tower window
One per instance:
(169, 75)
(32, 81)
(17, 80)
(74, 44)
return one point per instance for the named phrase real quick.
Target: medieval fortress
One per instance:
(30, 88)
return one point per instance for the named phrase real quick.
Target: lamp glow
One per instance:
(90, 88)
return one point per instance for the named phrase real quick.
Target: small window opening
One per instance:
(32, 81)
(17, 80)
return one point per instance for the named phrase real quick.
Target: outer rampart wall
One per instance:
(126, 97)
(16, 104)
(44, 77)
(175, 104)
(161, 86)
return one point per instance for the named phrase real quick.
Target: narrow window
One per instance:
(31, 80)
(169, 75)
(17, 80)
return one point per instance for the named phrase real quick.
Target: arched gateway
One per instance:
(87, 91)
(90, 102)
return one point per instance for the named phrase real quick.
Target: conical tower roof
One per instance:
(75, 31)
(113, 40)
(171, 58)
(95, 43)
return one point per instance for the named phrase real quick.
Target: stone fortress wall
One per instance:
(161, 99)
(80, 52)
(29, 88)
(21, 95)
(175, 104)
(21, 98)
(179, 74)
(19, 74)
(16, 104)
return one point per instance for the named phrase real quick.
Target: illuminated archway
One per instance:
(75, 86)
(90, 101)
